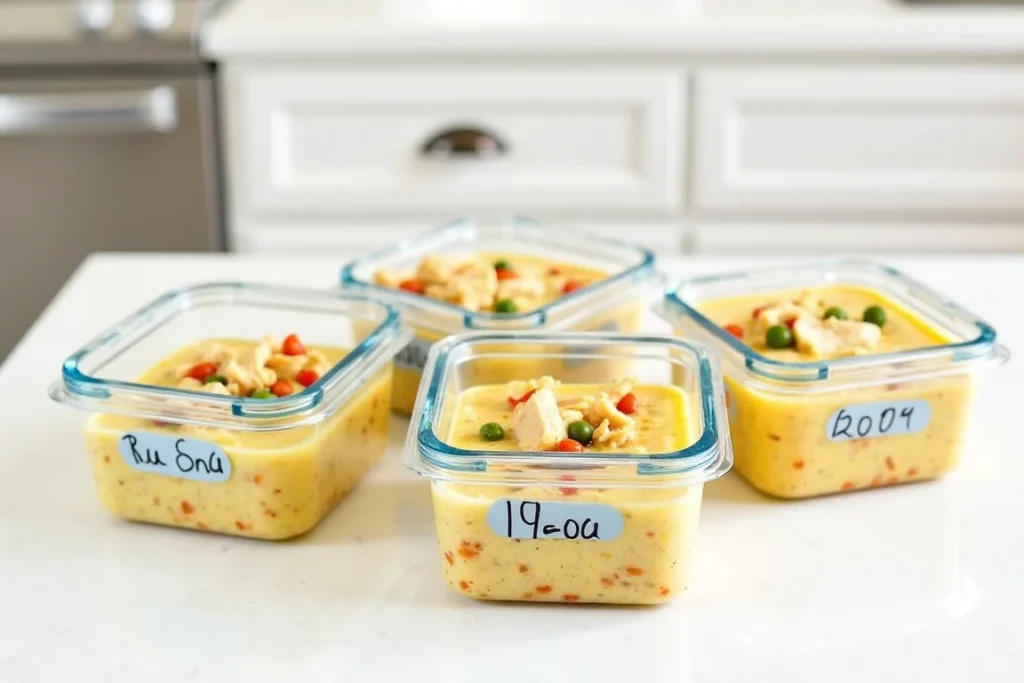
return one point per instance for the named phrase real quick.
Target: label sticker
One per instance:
(414, 355)
(549, 520)
(175, 456)
(885, 418)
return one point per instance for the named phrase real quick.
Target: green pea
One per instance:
(216, 378)
(492, 431)
(502, 264)
(875, 315)
(835, 312)
(779, 337)
(261, 393)
(506, 306)
(580, 431)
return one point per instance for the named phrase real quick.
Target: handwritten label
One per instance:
(886, 418)
(414, 355)
(175, 456)
(547, 520)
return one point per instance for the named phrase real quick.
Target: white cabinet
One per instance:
(342, 155)
(844, 139)
(338, 141)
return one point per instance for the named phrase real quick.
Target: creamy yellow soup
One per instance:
(648, 563)
(796, 444)
(282, 483)
(555, 277)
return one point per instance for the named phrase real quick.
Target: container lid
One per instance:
(973, 342)
(658, 359)
(101, 376)
(631, 270)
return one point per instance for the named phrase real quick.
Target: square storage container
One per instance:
(803, 429)
(268, 468)
(551, 526)
(616, 303)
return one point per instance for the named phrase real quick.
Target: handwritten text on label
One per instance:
(885, 418)
(554, 520)
(175, 456)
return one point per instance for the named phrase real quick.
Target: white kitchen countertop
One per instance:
(257, 28)
(915, 583)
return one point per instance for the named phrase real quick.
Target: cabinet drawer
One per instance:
(860, 139)
(332, 140)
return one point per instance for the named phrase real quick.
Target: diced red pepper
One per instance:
(281, 387)
(571, 286)
(292, 346)
(627, 404)
(790, 323)
(513, 401)
(201, 371)
(307, 377)
(569, 446)
(735, 330)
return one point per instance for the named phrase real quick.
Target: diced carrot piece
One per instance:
(634, 571)
(912, 472)
(847, 485)
(569, 446)
(414, 286)
(292, 346)
(257, 478)
(282, 387)
(663, 592)
(504, 274)
(449, 557)
(569, 597)
(513, 401)
(554, 270)
(571, 286)
(890, 464)
(307, 377)
(201, 371)
(798, 464)
(734, 330)
(627, 404)
(605, 581)
(186, 508)
(523, 569)
(543, 590)
(464, 585)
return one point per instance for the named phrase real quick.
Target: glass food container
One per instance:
(550, 526)
(268, 468)
(802, 429)
(615, 303)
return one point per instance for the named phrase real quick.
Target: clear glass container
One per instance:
(802, 429)
(550, 526)
(616, 303)
(267, 468)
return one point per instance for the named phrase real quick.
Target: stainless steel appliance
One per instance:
(107, 141)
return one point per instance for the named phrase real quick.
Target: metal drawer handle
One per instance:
(464, 142)
(150, 110)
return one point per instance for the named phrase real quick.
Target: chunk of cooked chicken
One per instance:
(522, 290)
(387, 278)
(779, 314)
(834, 337)
(189, 383)
(286, 366)
(434, 270)
(537, 423)
(517, 388)
(569, 416)
(604, 435)
(471, 286)
(603, 409)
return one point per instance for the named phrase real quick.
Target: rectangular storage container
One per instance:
(178, 433)
(613, 304)
(552, 526)
(803, 429)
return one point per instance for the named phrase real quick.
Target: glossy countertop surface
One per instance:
(318, 27)
(913, 583)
